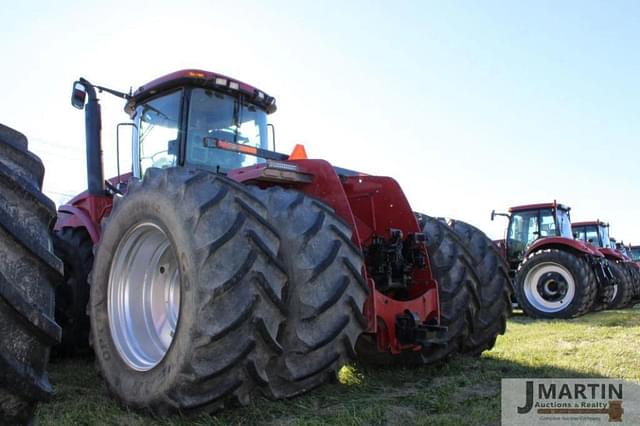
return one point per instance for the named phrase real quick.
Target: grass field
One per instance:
(463, 391)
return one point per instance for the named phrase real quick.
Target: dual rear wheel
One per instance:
(205, 293)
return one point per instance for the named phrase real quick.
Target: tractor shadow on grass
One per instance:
(461, 391)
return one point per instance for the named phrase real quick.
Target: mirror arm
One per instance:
(113, 92)
(494, 214)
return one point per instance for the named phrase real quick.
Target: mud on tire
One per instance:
(494, 291)
(325, 292)
(218, 243)
(533, 278)
(28, 273)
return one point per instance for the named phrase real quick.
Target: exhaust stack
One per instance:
(93, 127)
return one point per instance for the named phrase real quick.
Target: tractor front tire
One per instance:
(634, 272)
(75, 248)
(606, 293)
(186, 292)
(28, 273)
(494, 291)
(623, 292)
(325, 292)
(555, 283)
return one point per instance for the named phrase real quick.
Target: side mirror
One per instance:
(78, 95)
(493, 215)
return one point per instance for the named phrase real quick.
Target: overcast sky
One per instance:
(470, 105)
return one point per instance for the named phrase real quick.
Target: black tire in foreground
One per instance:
(325, 292)
(28, 273)
(205, 244)
(494, 291)
(555, 283)
(623, 292)
(75, 248)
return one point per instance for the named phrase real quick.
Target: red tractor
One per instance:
(596, 233)
(221, 269)
(554, 275)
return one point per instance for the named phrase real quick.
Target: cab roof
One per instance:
(538, 207)
(201, 78)
(590, 223)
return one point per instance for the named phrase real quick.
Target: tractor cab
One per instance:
(199, 119)
(595, 233)
(622, 248)
(186, 118)
(634, 253)
(532, 222)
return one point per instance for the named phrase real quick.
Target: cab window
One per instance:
(547, 223)
(158, 129)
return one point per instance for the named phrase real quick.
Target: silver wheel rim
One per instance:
(549, 287)
(144, 296)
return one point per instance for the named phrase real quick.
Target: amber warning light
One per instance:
(230, 146)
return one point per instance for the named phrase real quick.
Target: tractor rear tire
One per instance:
(212, 255)
(75, 248)
(325, 292)
(624, 290)
(554, 265)
(28, 273)
(494, 291)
